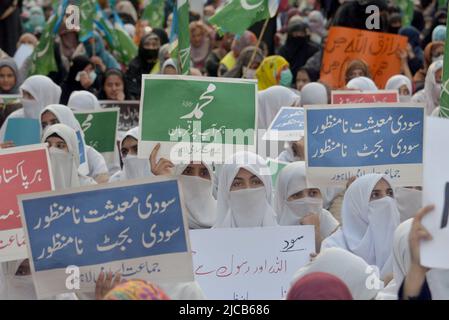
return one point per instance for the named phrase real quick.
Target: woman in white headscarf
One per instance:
(369, 218)
(65, 157)
(432, 86)
(169, 67)
(403, 85)
(362, 83)
(197, 181)
(38, 92)
(83, 101)
(359, 277)
(244, 193)
(57, 113)
(296, 201)
(313, 93)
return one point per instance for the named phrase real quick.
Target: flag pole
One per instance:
(262, 32)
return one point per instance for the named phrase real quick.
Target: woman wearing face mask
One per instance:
(82, 76)
(298, 48)
(361, 83)
(241, 69)
(403, 85)
(244, 193)
(38, 92)
(9, 77)
(297, 204)
(56, 113)
(197, 180)
(146, 62)
(369, 218)
(274, 70)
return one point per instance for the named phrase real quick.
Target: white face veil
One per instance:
(362, 83)
(396, 82)
(83, 101)
(199, 201)
(64, 164)
(44, 91)
(368, 226)
(361, 279)
(291, 180)
(408, 201)
(133, 167)
(248, 207)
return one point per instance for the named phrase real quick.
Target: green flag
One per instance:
(154, 13)
(407, 8)
(87, 18)
(183, 36)
(444, 99)
(43, 57)
(238, 16)
(125, 47)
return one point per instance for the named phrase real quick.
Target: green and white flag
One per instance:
(43, 57)
(237, 16)
(125, 48)
(154, 13)
(183, 36)
(87, 19)
(444, 99)
(100, 130)
(407, 8)
(204, 119)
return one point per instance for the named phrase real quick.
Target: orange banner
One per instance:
(378, 50)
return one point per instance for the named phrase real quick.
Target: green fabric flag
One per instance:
(444, 99)
(184, 36)
(154, 13)
(407, 8)
(43, 57)
(125, 47)
(238, 16)
(105, 27)
(87, 18)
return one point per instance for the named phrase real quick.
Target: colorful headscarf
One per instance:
(136, 290)
(269, 71)
(319, 286)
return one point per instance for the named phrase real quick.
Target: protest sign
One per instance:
(287, 125)
(354, 96)
(23, 131)
(137, 229)
(8, 104)
(378, 50)
(129, 113)
(23, 170)
(204, 119)
(352, 140)
(434, 253)
(230, 265)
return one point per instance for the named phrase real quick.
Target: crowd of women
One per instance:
(369, 224)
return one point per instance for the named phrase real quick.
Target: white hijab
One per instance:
(408, 201)
(83, 101)
(270, 102)
(313, 93)
(361, 280)
(368, 226)
(397, 81)
(291, 180)
(198, 199)
(64, 115)
(248, 207)
(362, 83)
(432, 90)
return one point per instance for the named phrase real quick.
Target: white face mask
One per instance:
(134, 167)
(305, 206)
(31, 108)
(249, 73)
(248, 206)
(408, 201)
(201, 206)
(405, 98)
(62, 166)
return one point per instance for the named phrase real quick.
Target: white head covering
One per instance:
(169, 62)
(64, 116)
(352, 270)
(183, 290)
(368, 226)
(291, 180)
(362, 83)
(313, 93)
(432, 90)
(64, 165)
(83, 101)
(408, 201)
(44, 91)
(200, 204)
(270, 102)
(248, 207)
(397, 81)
